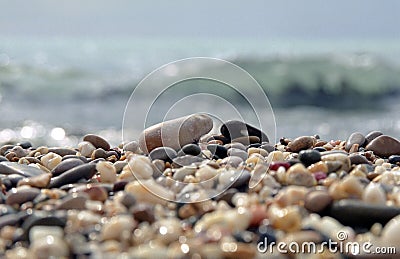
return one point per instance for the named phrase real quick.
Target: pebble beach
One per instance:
(178, 191)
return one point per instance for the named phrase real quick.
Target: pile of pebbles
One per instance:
(98, 201)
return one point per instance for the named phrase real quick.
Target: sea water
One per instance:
(53, 90)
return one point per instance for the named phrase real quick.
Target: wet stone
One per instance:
(62, 151)
(301, 143)
(97, 141)
(384, 146)
(309, 157)
(236, 129)
(8, 168)
(190, 149)
(218, 151)
(163, 153)
(82, 158)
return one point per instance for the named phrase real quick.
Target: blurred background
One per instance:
(68, 67)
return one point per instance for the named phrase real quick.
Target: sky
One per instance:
(205, 18)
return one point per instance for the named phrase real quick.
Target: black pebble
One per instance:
(309, 157)
(163, 153)
(218, 151)
(190, 149)
(394, 159)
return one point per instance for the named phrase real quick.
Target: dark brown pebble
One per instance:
(143, 212)
(301, 143)
(371, 136)
(355, 138)
(358, 213)
(95, 192)
(247, 140)
(4, 148)
(97, 141)
(73, 175)
(99, 153)
(62, 151)
(120, 185)
(384, 146)
(235, 129)
(66, 165)
(356, 159)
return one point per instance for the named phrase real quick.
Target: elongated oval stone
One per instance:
(384, 146)
(235, 129)
(73, 175)
(175, 133)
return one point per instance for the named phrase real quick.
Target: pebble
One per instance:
(144, 213)
(175, 133)
(62, 151)
(51, 160)
(21, 195)
(247, 140)
(298, 175)
(384, 146)
(186, 160)
(317, 201)
(166, 154)
(301, 143)
(74, 201)
(86, 148)
(40, 181)
(66, 165)
(358, 213)
(85, 171)
(235, 129)
(357, 159)
(9, 168)
(99, 153)
(140, 167)
(390, 233)
(374, 194)
(47, 242)
(108, 173)
(233, 220)
(149, 191)
(236, 145)
(132, 146)
(371, 136)
(116, 227)
(394, 159)
(355, 138)
(97, 141)
(205, 173)
(260, 151)
(233, 161)
(190, 149)
(287, 219)
(217, 151)
(309, 157)
(338, 158)
(238, 153)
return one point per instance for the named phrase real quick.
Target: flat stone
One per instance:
(175, 133)
(66, 165)
(186, 160)
(85, 171)
(337, 157)
(357, 159)
(371, 136)
(163, 153)
(309, 157)
(62, 151)
(235, 129)
(132, 146)
(355, 138)
(190, 149)
(238, 152)
(40, 181)
(8, 168)
(21, 195)
(97, 141)
(73, 202)
(236, 145)
(317, 201)
(301, 143)
(384, 146)
(233, 161)
(353, 213)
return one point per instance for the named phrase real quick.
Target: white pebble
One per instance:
(86, 148)
(51, 160)
(108, 173)
(374, 194)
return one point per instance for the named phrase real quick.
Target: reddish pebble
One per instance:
(275, 165)
(319, 176)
